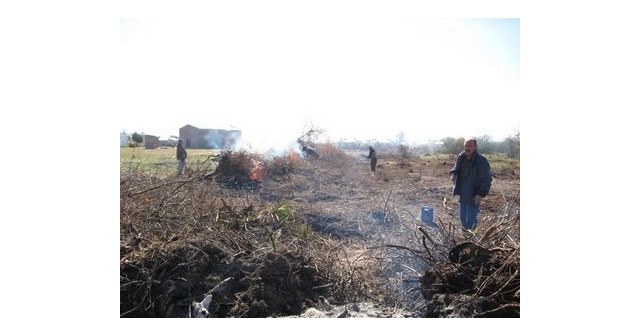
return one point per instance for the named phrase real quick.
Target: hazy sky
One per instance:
(365, 74)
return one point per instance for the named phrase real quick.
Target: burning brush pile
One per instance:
(239, 170)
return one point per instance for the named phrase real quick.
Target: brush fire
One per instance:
(239, 169)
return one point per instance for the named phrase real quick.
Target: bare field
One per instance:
(312, 234)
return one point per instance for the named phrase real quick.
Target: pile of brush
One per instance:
(239, 170)
(479, 276)
(181, 241)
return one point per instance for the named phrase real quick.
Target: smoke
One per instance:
(271, 141)
(223, 139)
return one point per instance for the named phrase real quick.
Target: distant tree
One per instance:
(403, 149)
(137, 138)
(452, 146)
(486, 144)
(310, 135)
(513, 145)
(172, 141)
(423, 149)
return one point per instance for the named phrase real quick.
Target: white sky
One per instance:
(363, 72)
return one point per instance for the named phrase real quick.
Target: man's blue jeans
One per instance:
(469, 214)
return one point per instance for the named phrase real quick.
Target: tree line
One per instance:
(509, 146)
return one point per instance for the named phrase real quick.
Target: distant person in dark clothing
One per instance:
(181, 155)
(472, 180)
(374, 159)
(310, 152)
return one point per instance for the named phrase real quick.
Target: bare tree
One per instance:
(310, 135)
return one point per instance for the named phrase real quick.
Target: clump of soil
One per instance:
(173, 276)
(277, 285)
(161, 280)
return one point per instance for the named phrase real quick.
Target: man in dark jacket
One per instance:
(374, 159)
(472, 178)
(181, 155)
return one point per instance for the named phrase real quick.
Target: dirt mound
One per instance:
(174, 276)
(162, 280)
(278, 285)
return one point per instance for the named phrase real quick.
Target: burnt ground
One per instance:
(316, 234)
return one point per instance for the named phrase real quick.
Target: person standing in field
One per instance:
(471, 176)
(373, 158)
(181, 155)
(310, 152)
